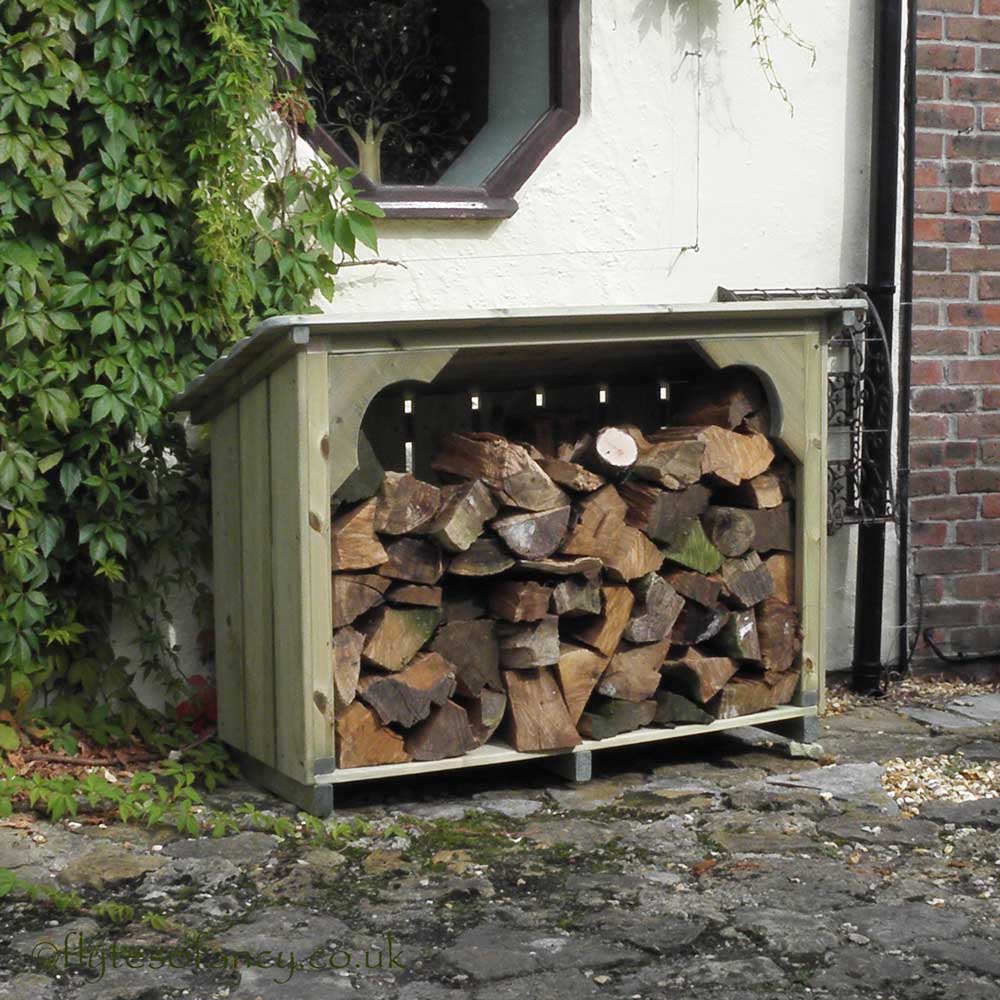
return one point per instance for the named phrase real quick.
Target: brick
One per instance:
(974, 372)
(947, 6)
(977, 532)
(928, 536)
(930, 202)
(975, 259)
(979, 425)
(934, 454)
(943, 508)
(951, 614)
(988, 174)
(945, 57)
(983, 90)
(989, 341)
(957, 174)
(942, 230)
(928, 144)
(930, 87)
(989, 61)
(930, 258)
(944, 400)
(970, 314)
(991, 505)
(925, 313)
(928, 426)
(988, 286)
(927, 175)
(977, 481)
(929, 26)
(991, 117)
(974, 588)
(950, 560)
(974, 640)
(990, 451)
(991, 399)
(989, 231)
(976, 147)
(976, 202)
(940, 342)
(989, 7)
(941, 286)
(947, 116)
(927, 373)
(972, 29)
(929, 482)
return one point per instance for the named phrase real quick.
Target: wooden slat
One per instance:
(255, 507)
(227, 573)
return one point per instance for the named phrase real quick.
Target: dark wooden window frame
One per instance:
(494, 198)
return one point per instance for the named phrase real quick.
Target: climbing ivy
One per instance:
(151, 207)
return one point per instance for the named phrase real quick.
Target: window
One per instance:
(446, 106)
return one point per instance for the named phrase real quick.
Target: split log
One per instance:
(407, 697)
(747, 580)
(347, 645)
(520, 600)
(588, 566)
(761, 493)
(484, 557)
(465, 508)
(674, 709)
(505, 467)
(529, 644)
(781, 566)
(773, 529)
(444, 733)
(415, 593)
(471, 648)
(671, 464)
(416, 560)
(612, 453)
(363, 741)
(729, 529)
(534, 535)
(783, 685)
(538, 718)
(634, 671)
(738, 636)
(691, 547)
(486, 712)
(697, 623)
(405, 504)
(578, 672)
(354, 594)
(395, 634)
(607, 500)
(786, 475)
(353, 542)
(462, 601)
(729, 457)
(626, 552)
(656, 610)
(744, 694)
(577, 597)
(727, 398)
(697, 676)
(660, 513)
(613, 716)
(571, 475)
(695, 586)
(778, 634)
(604, 632)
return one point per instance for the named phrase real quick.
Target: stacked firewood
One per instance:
(562, 589)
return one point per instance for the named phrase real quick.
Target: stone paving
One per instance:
(725, 868)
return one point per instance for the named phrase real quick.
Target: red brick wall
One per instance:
(955, 400)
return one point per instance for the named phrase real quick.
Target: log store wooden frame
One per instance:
(286, 407)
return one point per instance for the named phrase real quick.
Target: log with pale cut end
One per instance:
(738, 636)
(781, 566)
(778, 634)
(571, 475)
(529, 644)
(407, 697)
(471, 648)
(773, 529)
(607, 500)
(691, 547)
(465, 508)
(727, 398)
(696, 675)
(486, 712)
(417, 594)
(578, 672)
(587, 566)
(354, 594)
(783, 685)
(538, 719)
(657, 607)
(697, 587)
(729, 529)
(484, 557)
(395, 634)
(534, 535)
(577, 596)
(660, 513)
(744, 694)
(697, 623)
(626, 552)
(520, 600)
(353, 542)
(462, 600)
(729, 457)
(405, 504)
(347, 645)
(676, 710)
(505, 467)
(747, 580)
(612, 453)
(613, 716)
(415, 560)
(444, 733)
(760, 493)
(604, 632)
(671, 464)
(362, 741)
(634, 671)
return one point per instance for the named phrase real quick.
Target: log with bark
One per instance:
(781, 566)
(417, 594)
(696, 675)
(362, 741)
(674, 709)
(660, 513)
(393, 635)
(520, 600)
(728, 399)
(471, 648)
(347, 646)
(747, 580)
(773, 529)
(691, 547)
(577, 596)
(356, 593)
(353, 542)
(611, 717)
(415, 560)
(484, 557)
(538, 718)
(695, 586)
(778, 634)
(485, 712)
(571, 475)
(446, 732)
(465, 508)
(604, 632)
(634, 671)
(625, 551)
(738, 636)
(408, 696)
(529, 644)
(729, 529)
(656, 609)
(729, 457)
(534, 535)
(578, 672)
(612, 452)
(405, 505)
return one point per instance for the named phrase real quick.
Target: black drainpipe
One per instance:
(867, 669)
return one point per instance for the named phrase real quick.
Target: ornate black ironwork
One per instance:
(859, 412)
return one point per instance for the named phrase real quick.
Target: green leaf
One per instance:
(70, 478)
(8, 741)
(363, 229)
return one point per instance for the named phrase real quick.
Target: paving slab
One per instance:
(984, 708)
(940, 719)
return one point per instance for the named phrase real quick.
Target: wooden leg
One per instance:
(314, 799)
(571, 766)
